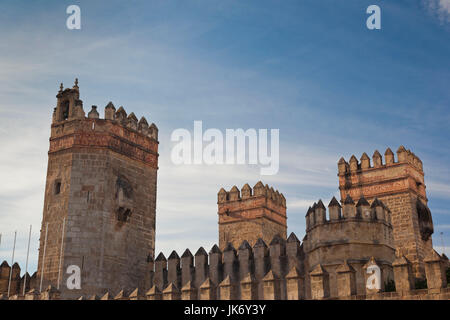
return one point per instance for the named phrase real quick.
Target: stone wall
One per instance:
(259, 273)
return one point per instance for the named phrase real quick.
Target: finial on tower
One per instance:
(61, 87)
(76, 83)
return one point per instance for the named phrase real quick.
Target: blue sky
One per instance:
(309, 68)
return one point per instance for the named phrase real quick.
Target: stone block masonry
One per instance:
(101, 179)
(249, 214)
(233, 279)
(100, 211)
(400, 185)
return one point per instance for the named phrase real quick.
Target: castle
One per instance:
(100, 210)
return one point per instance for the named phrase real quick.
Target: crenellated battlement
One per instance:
(232, 273)
(363, 225)
(17, 281)
(247, 193)
(353, 231)
(279, 270)
(250, 213)
(69, 107)
(128, 121)
(353, 166)
(362, 211)
(117, 131)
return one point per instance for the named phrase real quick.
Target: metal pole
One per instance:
(43, 258)
(26, 264)
(61, 251)
(12, 263)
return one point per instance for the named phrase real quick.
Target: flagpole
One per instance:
(26, 264)
(12, 263)
(61, 251)
(43, 258)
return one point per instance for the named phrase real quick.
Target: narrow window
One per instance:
(57, 187)
(64, 110)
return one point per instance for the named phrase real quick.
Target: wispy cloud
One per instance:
(442, 226)
(441, 250)
(177, 72)
(441, 8)
(439, 189)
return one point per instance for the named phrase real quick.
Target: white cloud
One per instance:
(187, 195)
(444, 5)
(300, 203)
(442, 226)
(441, 250)
(441, 8)
(439, 189)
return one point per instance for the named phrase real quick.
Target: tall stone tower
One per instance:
(100, 198)
(400, 186)
(250, 214)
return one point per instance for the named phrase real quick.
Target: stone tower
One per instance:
(100, 198)
(250, 214)
(400, 186)
(351, 234)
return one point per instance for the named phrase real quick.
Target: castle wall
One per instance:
(232, 273)
(261, 272)
(16, 285)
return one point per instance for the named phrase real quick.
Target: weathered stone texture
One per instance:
(101, 179)
(330, 242)
(400, 186)
(257, 213)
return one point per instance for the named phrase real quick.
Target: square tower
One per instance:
(100, 198)
(251, 214)
(400, 186)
